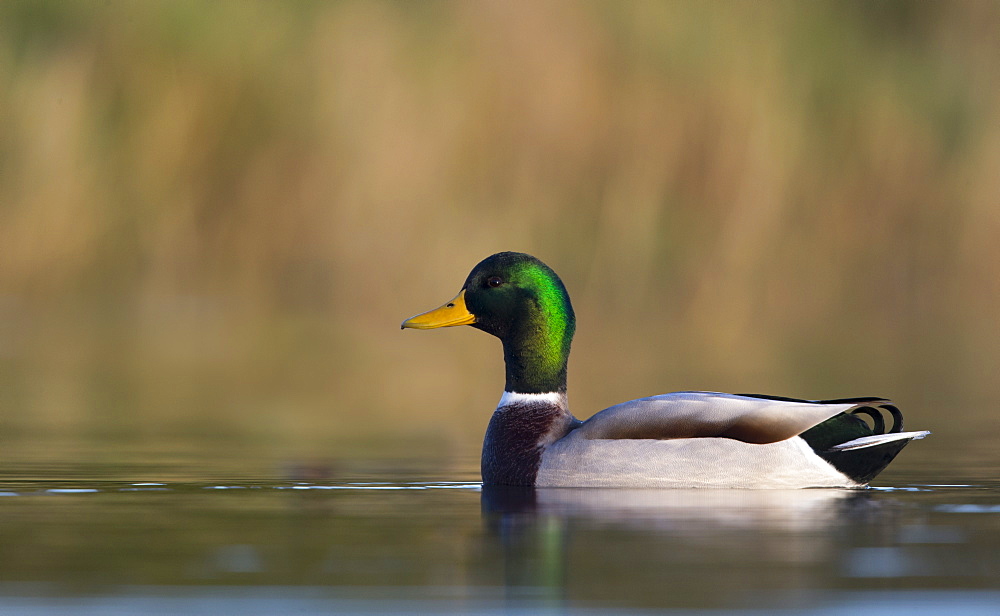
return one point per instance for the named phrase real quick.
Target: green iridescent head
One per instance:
(520, 300)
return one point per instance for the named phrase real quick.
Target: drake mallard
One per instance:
(682, 439)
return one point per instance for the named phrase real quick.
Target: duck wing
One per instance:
(693, 414)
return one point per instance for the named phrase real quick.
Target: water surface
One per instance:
(422, 536)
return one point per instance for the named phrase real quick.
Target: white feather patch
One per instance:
(575, 461)
(551, 398)
(878, 439)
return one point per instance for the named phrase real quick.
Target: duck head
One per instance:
(521, 301)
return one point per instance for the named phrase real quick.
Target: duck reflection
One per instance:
(774, 509)
(691, 546)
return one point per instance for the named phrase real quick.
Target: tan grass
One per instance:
(212, 219)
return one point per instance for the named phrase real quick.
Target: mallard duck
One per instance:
(682, 439)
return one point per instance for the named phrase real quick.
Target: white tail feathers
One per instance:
(878, 439)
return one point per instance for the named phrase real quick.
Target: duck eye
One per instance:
(494, 281)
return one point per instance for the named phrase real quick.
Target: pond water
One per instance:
(422, 536)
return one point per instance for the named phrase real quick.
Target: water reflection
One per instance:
(705, 546)
(402, 546)
(674, 509)
(724, 549)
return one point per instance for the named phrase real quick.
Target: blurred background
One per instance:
(214, 216)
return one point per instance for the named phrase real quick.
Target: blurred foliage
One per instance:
(213, 216)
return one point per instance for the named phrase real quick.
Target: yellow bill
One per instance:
(451, 314)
